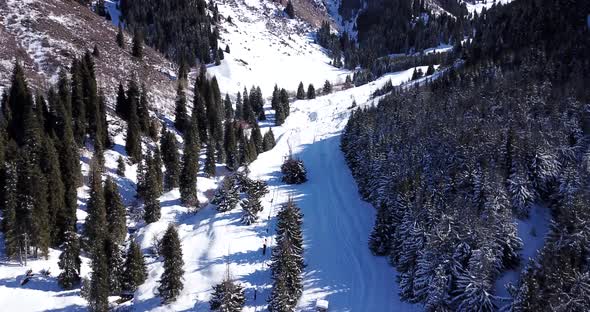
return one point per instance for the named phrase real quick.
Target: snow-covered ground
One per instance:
(479, 5)
(267, 49)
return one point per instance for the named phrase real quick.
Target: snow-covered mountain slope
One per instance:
(46, 34)
(476, 6)
(267, 49)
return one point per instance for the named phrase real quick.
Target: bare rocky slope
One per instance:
(44, 34)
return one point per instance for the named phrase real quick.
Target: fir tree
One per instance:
(69, 261)
(181, 121)
(430, 70)
(137, 49)
(79, 125)
(268, 141)
(228, 296)
(310, 92)
(143, 114)
(55, 187)
(293, 171)
(135, 272)
(115, 212)
(120, 38)
(257, 139)
(301, 92)
(171, 281)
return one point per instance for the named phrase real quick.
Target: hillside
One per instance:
(46, 35)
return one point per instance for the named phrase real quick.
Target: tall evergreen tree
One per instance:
(133, 140)
(69, 261)
(228, 108)
(120, 38)
(137, 49)
(9, 221)
(230, 146)
(171, 281)
(151, 192)
(301, 92)
(210, 160)
(95, 226)
(199, 113)
(171, 159)
(268, 141)
(181, 121)
(135, 272)
(121, 106)
(98, 295)
(115, 262)
(79, 124)
(115, 212)
(143, 111)
(310, 92)
(190, 167)
(55, 187)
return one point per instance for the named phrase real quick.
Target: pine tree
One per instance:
(135, 272)
(301, 92)
(98, 293)
(143, 114)
(69, 261)
(171, 281)
(228, 296)
(171, 159)
(230, 146)
(120, 38)
(210, 160)
(77, 99)
(251, 206)
(227, 196)
(290, 10)
(268, 141)
(293, 171)
(190, 168)
(181, 121)
(137, 49)
(115, 212)
(239, 114)
(159, 176)
(310, 92)
(121, 166)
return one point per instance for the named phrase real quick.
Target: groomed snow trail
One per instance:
(337, 223)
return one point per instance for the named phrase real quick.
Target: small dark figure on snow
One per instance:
(264, 248)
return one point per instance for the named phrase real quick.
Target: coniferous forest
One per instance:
(451, 164)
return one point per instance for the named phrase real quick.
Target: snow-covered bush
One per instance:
(294, 171)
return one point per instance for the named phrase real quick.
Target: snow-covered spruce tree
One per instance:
(286, 267)
(171, 281)
(120, 38)
(521, 191)
(327, 87)
(69, 261)
(9, 223)
(227, 196)
(98, 292)
(151, 192)
(228, 296)
(135, 272)
(181, 121)
(380, 240)
(293, 171)
(121, 166)
(228, 108)
(133, 139)
(199, 112)
(251, 206)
